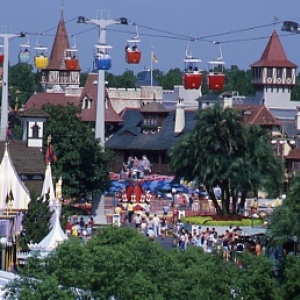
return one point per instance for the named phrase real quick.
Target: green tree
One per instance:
(220, 150)
(21, 83)
(123, 263)
(36, 221)
(81, 163)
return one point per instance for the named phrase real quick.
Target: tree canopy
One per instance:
(220, 150)
(120, 262)
(81, 163)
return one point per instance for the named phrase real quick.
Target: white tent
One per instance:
(48, 189)
(11, 186)
(52, 240)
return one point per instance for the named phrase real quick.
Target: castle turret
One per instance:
(273, 75)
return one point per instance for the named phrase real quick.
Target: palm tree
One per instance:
(220, 150)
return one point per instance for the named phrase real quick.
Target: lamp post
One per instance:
(102, 46)
(174, 191)
(3, 242)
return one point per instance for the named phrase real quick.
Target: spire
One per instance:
(274, 54)
(62, 10)
(60, 44)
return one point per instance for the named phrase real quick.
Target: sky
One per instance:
(164, 25)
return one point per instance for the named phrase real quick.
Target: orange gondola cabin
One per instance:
(71, 59)
(132, 53)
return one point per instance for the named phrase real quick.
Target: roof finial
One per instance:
(62, 9)
(276, 19)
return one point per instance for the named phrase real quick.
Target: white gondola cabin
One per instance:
(71, 59)
(24, 54)
(41, 58)
(102, 58)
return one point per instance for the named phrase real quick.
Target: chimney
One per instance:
(297, 118)
(227, 100)
(179, 116)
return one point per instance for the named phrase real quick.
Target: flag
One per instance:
(154, 59)
(50, 155)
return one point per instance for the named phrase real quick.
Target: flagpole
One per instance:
(151, 65)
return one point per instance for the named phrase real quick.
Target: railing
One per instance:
(155, 168)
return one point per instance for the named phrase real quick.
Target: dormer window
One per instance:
(35, 131)
(86, 103)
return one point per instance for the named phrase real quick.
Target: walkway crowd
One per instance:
(76, 227)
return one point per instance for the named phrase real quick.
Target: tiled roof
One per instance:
(60, 44)
(294, 154)
(39, 99)
(154, 107)
(274, 55)
(130, 136)
(25, 160)
(90, 91)
(34, 112)
(257, 114)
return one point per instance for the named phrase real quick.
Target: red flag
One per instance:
(50, 155)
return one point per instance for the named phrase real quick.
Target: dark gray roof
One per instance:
(145, 79)
(283, 113)
(209, 97)
(130, 135)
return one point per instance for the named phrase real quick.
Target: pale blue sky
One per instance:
(193, 18)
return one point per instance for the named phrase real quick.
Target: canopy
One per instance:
(52, 240)
(49, 190)
(13, 193)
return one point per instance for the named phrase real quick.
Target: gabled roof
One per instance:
(154, 107)
(130, 135)
(26, 160)
(39, 99)
(60, 44)
(257, 114)
(34, 112)
(274, 55)
(294, 154)
(90, 91)
(11, 184)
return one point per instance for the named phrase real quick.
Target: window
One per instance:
(289, 73)
(269, 72)
(279, 72)
(296, 166)
(35, 131)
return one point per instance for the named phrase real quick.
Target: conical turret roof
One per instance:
(274, 55)
(52, 240)
(60, 44)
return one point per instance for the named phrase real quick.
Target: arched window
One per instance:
(35, 131)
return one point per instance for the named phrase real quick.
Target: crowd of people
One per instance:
(77, 227)
(136, 168)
